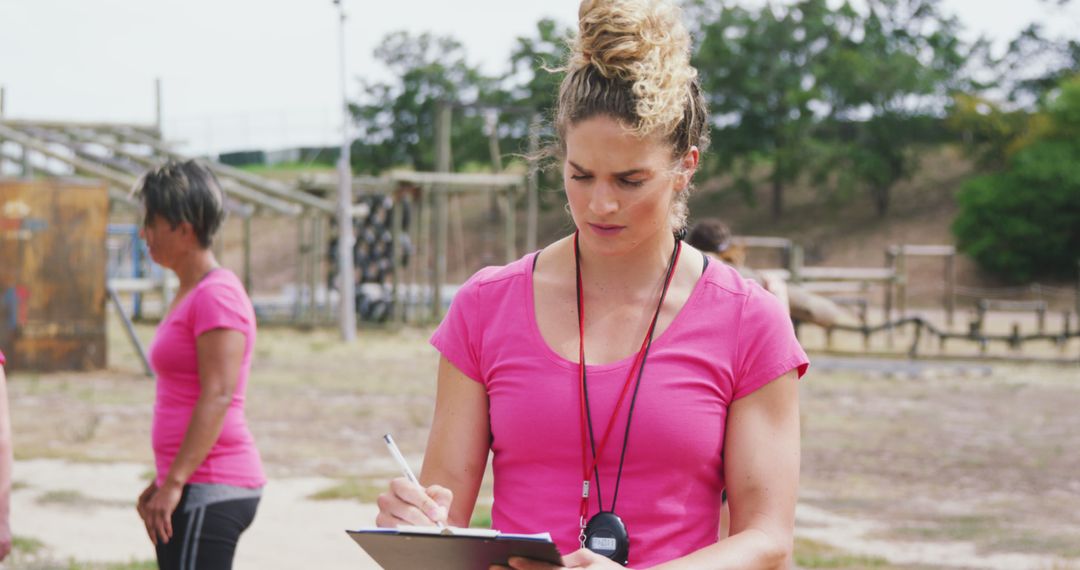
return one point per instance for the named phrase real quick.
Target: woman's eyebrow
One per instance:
(578, 167)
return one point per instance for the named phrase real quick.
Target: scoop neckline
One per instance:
(564, 362)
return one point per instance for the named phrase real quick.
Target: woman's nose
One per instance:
(603, 200)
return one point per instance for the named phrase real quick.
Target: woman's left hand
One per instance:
(157, 512)
(583, 558)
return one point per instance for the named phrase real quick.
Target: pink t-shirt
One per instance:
(731, 338)
(2, 359)
(217, 302)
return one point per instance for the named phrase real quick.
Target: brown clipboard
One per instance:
(416, 551)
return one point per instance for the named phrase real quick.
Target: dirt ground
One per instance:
(955, 465)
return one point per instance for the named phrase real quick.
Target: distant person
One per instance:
(6, 461)
(537, 355)
(713, 237)
(209, 473)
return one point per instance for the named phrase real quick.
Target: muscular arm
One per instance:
(458, 444)
(221, 354)
(761, 468)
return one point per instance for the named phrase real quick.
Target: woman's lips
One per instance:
(606, 229)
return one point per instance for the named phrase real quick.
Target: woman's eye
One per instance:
(632, 183)
(579, 177)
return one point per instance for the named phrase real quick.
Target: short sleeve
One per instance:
(767, 346)
(458, 336)
(219, 306)
(2, 359)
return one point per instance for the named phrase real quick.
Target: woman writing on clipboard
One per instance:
(620, 380)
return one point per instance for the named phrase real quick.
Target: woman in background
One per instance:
(209, 473)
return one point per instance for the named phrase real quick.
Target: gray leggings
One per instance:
(206, 525)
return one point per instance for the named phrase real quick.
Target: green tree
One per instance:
(893, 68)
(759, 73)
(1025, 221)
(396, 120)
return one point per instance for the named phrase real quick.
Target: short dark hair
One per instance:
(184, 192)
(710, 235)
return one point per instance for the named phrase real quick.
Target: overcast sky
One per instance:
(264, 74)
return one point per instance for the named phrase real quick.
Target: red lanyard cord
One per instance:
(590, 470)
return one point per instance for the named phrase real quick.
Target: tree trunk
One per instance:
(777, 193)
(881, 200)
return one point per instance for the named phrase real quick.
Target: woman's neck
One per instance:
(628, 275)
(191, 268)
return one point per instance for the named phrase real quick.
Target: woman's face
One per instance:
(164, 241)
(620, 187)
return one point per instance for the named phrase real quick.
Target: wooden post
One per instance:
(533, 198)
(27, 169)
(491, 121)
(511, 225)
(247, 254)
(950, 288)
(901, 282)
(427, 245)
(795, 264)
(890, 287)
(298, 275)
(442, 164)
(396, 219)
(313, 262)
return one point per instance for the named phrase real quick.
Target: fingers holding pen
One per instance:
(407, 503)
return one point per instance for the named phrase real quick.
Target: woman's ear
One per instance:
(687, 166)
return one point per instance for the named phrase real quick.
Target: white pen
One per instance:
(404, 465)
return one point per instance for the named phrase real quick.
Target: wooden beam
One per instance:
(51, 124)
(455, 182)
(127, 180)
(925, 250)
(275, 188)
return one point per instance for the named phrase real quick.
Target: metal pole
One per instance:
(347, 283)
(1, 101)
(157, 105)
(442, 164)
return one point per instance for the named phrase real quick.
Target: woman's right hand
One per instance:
(409, 504)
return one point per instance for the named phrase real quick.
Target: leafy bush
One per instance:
(1024, 222)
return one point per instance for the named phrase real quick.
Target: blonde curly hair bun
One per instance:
(642, 43)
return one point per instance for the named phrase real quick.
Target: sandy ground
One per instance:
(907, 465)
(101, 525)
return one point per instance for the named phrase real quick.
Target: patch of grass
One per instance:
(1034, 543)
(26, 544)
(72, 498)
(969, 528)
(481, 517)
(19, 485)
(361, 490)
(813, 554)
(298, 167)
(62, 497)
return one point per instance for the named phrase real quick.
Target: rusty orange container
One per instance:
(52, 273)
